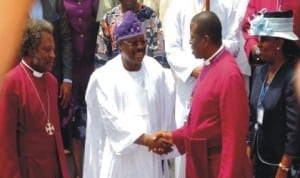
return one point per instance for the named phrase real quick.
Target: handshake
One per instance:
(160, 142)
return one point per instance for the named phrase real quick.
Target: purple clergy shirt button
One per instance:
(79, 3)
(81, 35)
(79, 19)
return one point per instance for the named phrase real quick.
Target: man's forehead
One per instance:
(138, 37)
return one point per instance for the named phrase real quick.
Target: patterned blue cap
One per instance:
(128, 26)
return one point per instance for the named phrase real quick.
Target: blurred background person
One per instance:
(82, 21)
(106, 5)
(106, 43)
(274, 121)
(159, 6)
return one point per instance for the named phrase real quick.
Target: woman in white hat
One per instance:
(274, 137)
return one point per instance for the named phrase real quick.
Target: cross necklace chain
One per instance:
(49, 128)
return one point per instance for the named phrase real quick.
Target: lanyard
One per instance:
(259, 108)
(265, 86)
(263, 92)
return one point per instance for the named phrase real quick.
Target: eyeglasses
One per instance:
(135, 43)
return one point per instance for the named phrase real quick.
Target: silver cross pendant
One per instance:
(49, 128)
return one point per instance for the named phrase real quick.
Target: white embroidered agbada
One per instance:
(121, 106)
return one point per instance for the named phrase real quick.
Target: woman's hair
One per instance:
(290, 50)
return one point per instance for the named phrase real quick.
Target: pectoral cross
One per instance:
(49, 128)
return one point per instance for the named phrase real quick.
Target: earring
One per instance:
(278, 48)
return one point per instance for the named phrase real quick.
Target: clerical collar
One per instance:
(208, 61)
(34, 72)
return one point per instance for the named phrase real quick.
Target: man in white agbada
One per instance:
(184, 65)
(126, 99)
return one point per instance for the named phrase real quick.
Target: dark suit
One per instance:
(54, 12)
(280, 131)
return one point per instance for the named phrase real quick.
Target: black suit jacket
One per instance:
(280, 132)
(54, 12)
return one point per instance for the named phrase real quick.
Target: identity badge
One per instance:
(260, 114)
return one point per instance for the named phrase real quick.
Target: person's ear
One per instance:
(279, 43)
(206, 40)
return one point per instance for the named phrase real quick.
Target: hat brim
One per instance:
(285, 35)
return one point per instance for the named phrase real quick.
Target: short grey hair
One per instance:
(32, 34)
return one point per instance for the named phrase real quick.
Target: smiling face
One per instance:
(133, 51)
(269, 47)
(44, 55)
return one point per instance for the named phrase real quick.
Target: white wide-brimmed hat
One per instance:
(274, 24)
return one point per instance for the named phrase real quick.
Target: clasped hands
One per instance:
(160, 142)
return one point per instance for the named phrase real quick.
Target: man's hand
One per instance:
(281, 173)
(65, 94)
(158, 142)
(164, 142)
(248, 151)
(196, 72)
(285, 163)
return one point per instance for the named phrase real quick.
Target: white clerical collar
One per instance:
(207, 61)
(34, 72)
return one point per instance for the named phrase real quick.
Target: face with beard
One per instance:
(133, 51)
(44, 54)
